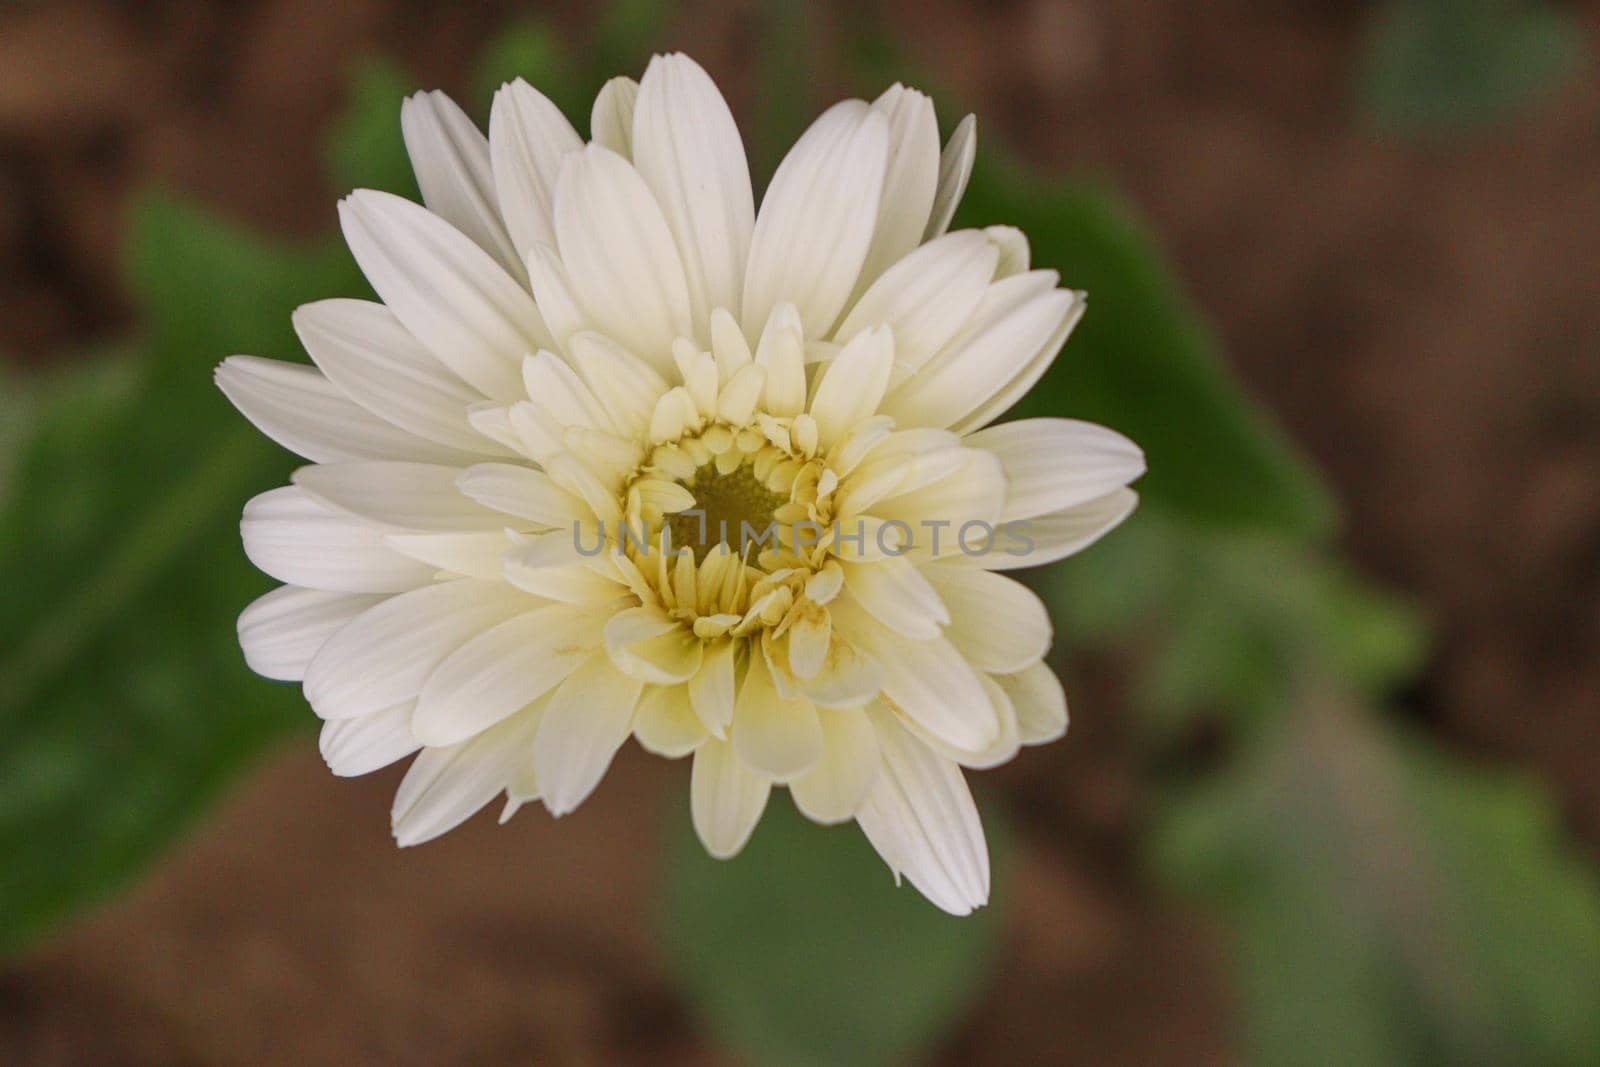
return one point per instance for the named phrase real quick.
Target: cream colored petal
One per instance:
(383, 656)
(852, 385)
(926, 297)
(551, 565)
(711, 690)
(774, 736)
(1047, 538)
(910, 179)
(726, 799)
(587, 719)
(471, 555)
(666, 723)
(503, 669)
(528, 138)
(815, 224)
(920, 817)
(525, 493)
(446, 786)
(620, 255)
(927, 680)
(997, 623)
(955, 168)
(688, 150)
(451, 159)
(353, 747)
(281, 631)
(303, 411)
(896, 593)
(448, 293)
(1040, 703)
(408, 496)
(781, 353)
(1055, 464)
(1000, 344)
(833, 790)
(364, 350)
(611, 118)
(626, 386)
(652, 647)
(298, 540)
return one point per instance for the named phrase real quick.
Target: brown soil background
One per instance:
(1422, 319)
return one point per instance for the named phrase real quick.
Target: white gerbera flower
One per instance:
(595, 369)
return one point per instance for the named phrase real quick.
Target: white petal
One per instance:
(413, 496)
(1025, 378)
(1005, 745)
(503, 669)
(310, 416)
(998, 624)
(528, 137)
(927, 680)
(781, 353)
(473, 554)
(836, 785)
(1040, 703)
(552, 290)
(353, 747)
(956, 513)
(446, 786)
(816, 219)
(449, 293)
(626, 386)
(1047, 538)
(896, 593)
(926, 297)
(687, 149)
(555, 388)
(726, 799)
(364, 350)
(382, 657)
(955, 168)
(852, 385)
(665, 723)
(550, 565)
(647, 644)
(588, 718)
(1004, 338)
(281, 631)
(525, 493)
(1055, 464)
(909, 182)
(774, 736)
(619, 254)
(711, 690)
(611, 118)
(451, 159)
(920, 817)
(297, 540)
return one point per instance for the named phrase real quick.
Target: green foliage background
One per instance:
(1386, 903)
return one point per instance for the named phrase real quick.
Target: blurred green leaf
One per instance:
(1448, 67)
(210, 288)
(1229, 618)
(530, 50)
(365, 148)
(1142, 362)
(801, 951)
(1389, 906)
(124, 700)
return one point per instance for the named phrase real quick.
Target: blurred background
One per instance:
(1330, 792)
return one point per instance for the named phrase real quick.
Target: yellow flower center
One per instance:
(732, 509)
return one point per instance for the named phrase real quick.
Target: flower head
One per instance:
(619, 455)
